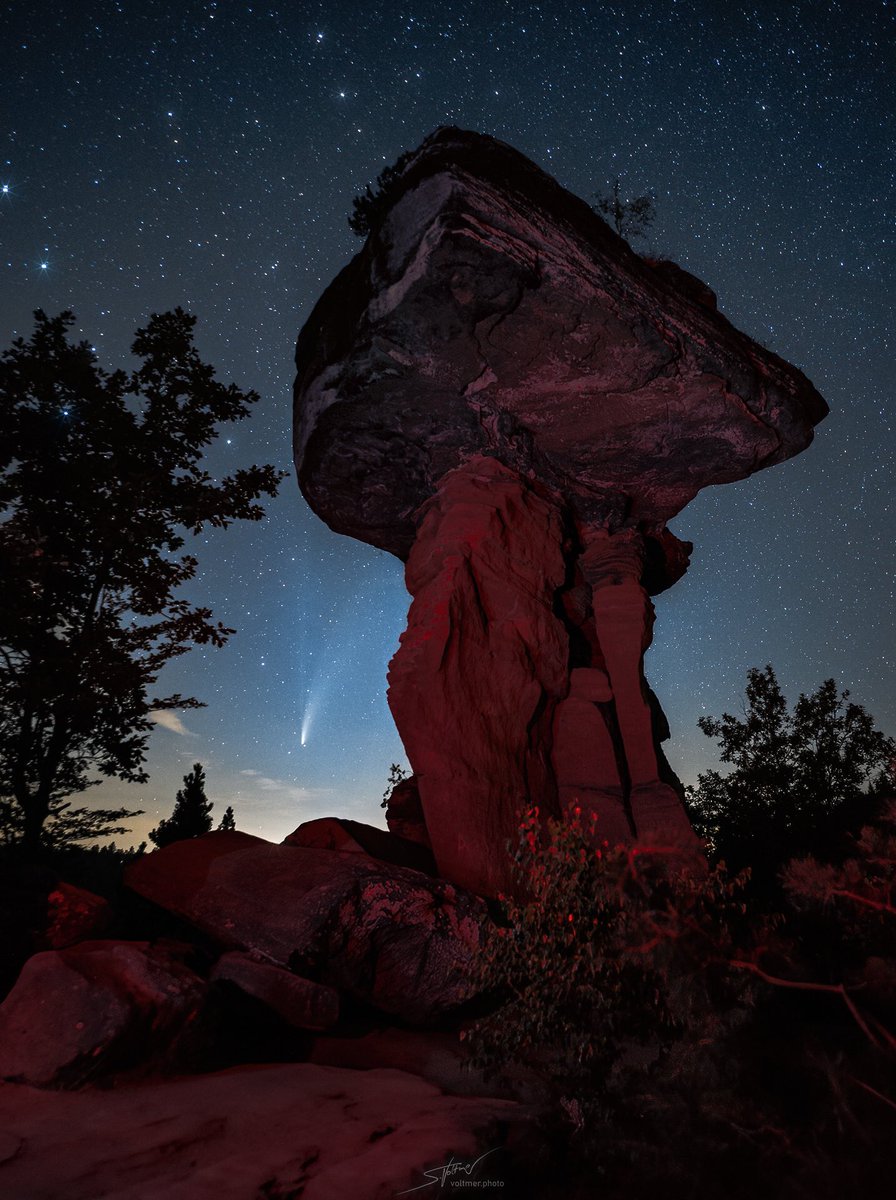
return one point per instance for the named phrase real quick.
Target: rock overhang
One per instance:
(493, 312)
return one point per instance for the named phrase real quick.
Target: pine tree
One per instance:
(228, 821)
(192, 814)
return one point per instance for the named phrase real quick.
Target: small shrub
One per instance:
(613, 958)
(685, 1041)
(397, 773)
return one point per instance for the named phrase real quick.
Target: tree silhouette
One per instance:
(192, 814)
(371, 205)
(798, 781)
(228, 821)
(396, 774)
(101, 480)
(630, 218)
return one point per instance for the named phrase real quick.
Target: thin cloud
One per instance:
(170, 720)
(272, 791)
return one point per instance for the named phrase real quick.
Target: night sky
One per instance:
(206, 155)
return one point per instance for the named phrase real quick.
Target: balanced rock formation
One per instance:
(501, 392)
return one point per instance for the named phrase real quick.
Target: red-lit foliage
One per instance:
(687, 1041)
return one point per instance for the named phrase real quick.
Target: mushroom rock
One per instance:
(500, 391)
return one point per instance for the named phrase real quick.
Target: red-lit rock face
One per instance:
(481, 666)
(493, 715)
(500, 391)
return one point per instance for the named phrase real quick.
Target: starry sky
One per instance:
(206, 155)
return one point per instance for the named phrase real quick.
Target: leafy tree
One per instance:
(630, 218)
(101, 480)
(798, 780)
(192, 814)
(228, 821)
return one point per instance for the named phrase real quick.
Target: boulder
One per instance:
(80, 1013)
(354, 837)
(300, 1002)
(404, 813)
(499, 390)
(74, 915)
(384, 935)
(492, 312)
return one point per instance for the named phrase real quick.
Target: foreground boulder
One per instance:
(318, 1132)
(387, 936)
(404, 813)
(77, 1014)
(298, 1001)
(501, 392)
(74, 915)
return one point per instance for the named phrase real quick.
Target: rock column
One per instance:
(482, 666)
(613, 565)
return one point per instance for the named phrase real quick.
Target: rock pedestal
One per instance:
(482, 665)
(501, 392)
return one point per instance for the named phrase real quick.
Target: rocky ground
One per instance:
(254, 1020)
(272, 1132)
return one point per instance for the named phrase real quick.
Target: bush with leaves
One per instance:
(686, 1041)
(611, 965)
(397, 774)
(846, 923)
